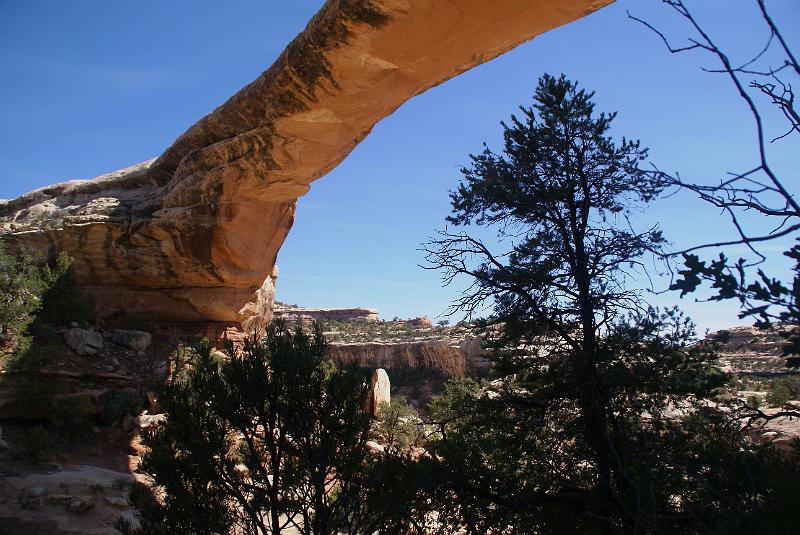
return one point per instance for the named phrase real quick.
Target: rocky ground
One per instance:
(56, 498)
(69, 425)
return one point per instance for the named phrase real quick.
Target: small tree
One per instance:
(32, 294)
(265, 439)
(453, 404)
(397, 422)
(560, 195)
(21, 287)
(575, 434)
(62, 301)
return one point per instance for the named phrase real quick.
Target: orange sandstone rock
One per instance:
(193, 234)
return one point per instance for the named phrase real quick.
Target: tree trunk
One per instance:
(592, 398)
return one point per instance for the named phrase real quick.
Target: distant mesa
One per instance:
(192, 236)
(306, 316)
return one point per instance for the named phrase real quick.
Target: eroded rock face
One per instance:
(193, 235)
(427, 354)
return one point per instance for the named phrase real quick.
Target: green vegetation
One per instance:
(753, 401)
(21, 288)
(280, 304)
(36, 446)
(72, 418)
(397, 423)
(33, 300)
(386, 331)
(783, 389)
(453, 404)
(416, 385)
(268, 437)
(62, 302)
(593, 423)
(117, 403)
(594, 420)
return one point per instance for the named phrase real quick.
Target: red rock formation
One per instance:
(421, 321)
(193, 235)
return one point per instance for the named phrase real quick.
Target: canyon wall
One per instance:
(431, 355)
(466, 359)
(192, 236)
(306, 316)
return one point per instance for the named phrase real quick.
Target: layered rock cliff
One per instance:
(307, 316)
(441, 356)
(193, 234)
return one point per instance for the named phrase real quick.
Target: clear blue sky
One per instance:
(92, 86)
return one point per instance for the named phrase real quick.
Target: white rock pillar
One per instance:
(379, 391)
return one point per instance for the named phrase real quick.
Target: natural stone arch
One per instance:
(192, 236)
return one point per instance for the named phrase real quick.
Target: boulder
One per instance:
(117, 501)
(379, 391)
(136, 340)
(421, 321)
(374, 447)
(84, 341)
(143, 421)
(60, 499)
(769, 436)
(36, 492)
(79, 505)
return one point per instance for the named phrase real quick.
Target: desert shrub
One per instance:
(453, 403)
(71, 418)
(782, 390)
(32, 299)
(37, 394)
(62, 302)
(397, 423)
(116, 404)
(36, 445)
(156, 358)
(754, 401)
(277, 412)
(21, 286)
